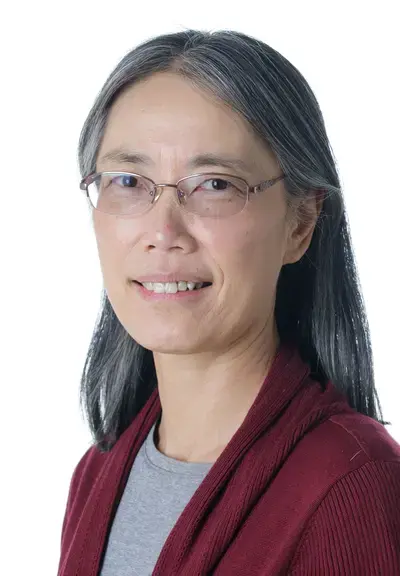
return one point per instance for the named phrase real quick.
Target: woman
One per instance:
(229, 384)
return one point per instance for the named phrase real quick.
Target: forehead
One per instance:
(168, 116)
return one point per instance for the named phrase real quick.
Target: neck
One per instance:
(205, 397)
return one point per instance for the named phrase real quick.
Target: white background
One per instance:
(54, 59)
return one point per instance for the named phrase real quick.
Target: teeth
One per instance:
(171, 287)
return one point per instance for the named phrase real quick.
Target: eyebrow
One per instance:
(126, 157)
(216, 160)
(199, 161)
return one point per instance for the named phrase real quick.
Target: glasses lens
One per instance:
(214, 195)
(121, 193)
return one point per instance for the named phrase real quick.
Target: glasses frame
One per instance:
(159, 188)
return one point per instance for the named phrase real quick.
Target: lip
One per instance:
(181, 276)
(183, 296)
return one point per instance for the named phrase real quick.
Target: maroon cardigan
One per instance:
(305, 486)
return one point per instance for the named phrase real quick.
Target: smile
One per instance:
(174, 287)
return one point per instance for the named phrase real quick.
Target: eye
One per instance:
(126, 181)
(220, 187)
(217, 184)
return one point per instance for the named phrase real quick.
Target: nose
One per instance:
(167, 226)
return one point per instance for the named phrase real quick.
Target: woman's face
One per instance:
(170, 121)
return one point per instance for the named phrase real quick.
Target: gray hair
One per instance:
(319, 305)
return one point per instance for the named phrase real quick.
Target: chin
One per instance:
(173, 333)
(166, 337)
(169, 345)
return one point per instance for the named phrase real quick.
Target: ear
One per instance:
(302, 219)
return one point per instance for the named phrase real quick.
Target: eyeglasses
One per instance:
(213, 195)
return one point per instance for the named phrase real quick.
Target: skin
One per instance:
(211, 355)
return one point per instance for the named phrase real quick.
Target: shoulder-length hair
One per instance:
(319, 305)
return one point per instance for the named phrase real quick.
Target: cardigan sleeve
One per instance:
(356, 527)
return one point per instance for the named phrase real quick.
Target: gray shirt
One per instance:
(156, 493)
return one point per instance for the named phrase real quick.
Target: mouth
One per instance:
(173, 287)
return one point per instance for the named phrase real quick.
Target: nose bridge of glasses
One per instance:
(159, 188)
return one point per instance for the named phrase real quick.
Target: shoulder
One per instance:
(355, 525)
(371, 437)
(83, 478)
(343, 443)
(88, 468)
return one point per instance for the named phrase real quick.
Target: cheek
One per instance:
(114, 229)
(114, 238)
(246, 248)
